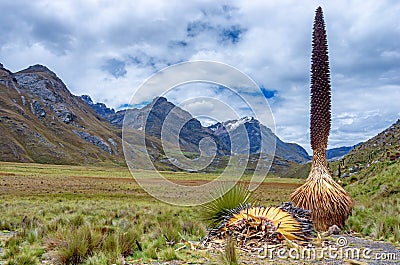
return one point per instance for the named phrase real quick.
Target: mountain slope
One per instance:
(41, 121)
(384, 147)
(165, 121)
(376, 191)
(371, 175)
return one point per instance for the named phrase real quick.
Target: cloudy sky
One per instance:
(108, 48)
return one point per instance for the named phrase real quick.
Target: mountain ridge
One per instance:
(339, 152)
(300, 154)
(253, 128)
(43, 122)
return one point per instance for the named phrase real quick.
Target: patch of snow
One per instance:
(233, 124)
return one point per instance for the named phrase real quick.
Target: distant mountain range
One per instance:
(192, 131)
(41, 121)
(254, 130)
(338, 153)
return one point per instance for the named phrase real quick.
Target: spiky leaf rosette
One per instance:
(329, 202)
(215, 211)
(256, 227)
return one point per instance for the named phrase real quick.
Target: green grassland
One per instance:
(377, 211)
(100, 215)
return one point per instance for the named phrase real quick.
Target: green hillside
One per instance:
(376, 192)
(384, 147)
(371, 174)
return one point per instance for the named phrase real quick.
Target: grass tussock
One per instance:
(229, 257)
(97, 230)
(168, 254)
(215, 211)
(97, 259)
(24, 258)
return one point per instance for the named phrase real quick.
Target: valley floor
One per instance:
(52, 214)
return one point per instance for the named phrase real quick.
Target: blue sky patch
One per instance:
(115, 67)
(268, 93)
(233, 34)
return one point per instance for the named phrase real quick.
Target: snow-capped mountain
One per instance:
(248, 135)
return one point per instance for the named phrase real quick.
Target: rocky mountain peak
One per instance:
(87, 99)
(4, 72)
(160, 104)
(160, 108)
(233, 124)
(230, 125)
(260, 139)
(159, 100)
(99, 108)
(38, 68)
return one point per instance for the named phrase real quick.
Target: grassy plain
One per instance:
(100, 215)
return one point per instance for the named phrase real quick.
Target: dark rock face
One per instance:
(39, 82)
(113, 143)
(94, 140)
(65, 115)
(88, 100)
(99, 108)
(34, 84)
(37, 110)
(117, 119)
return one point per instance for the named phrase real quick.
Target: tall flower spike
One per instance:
(329, 203)
(320, 124)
